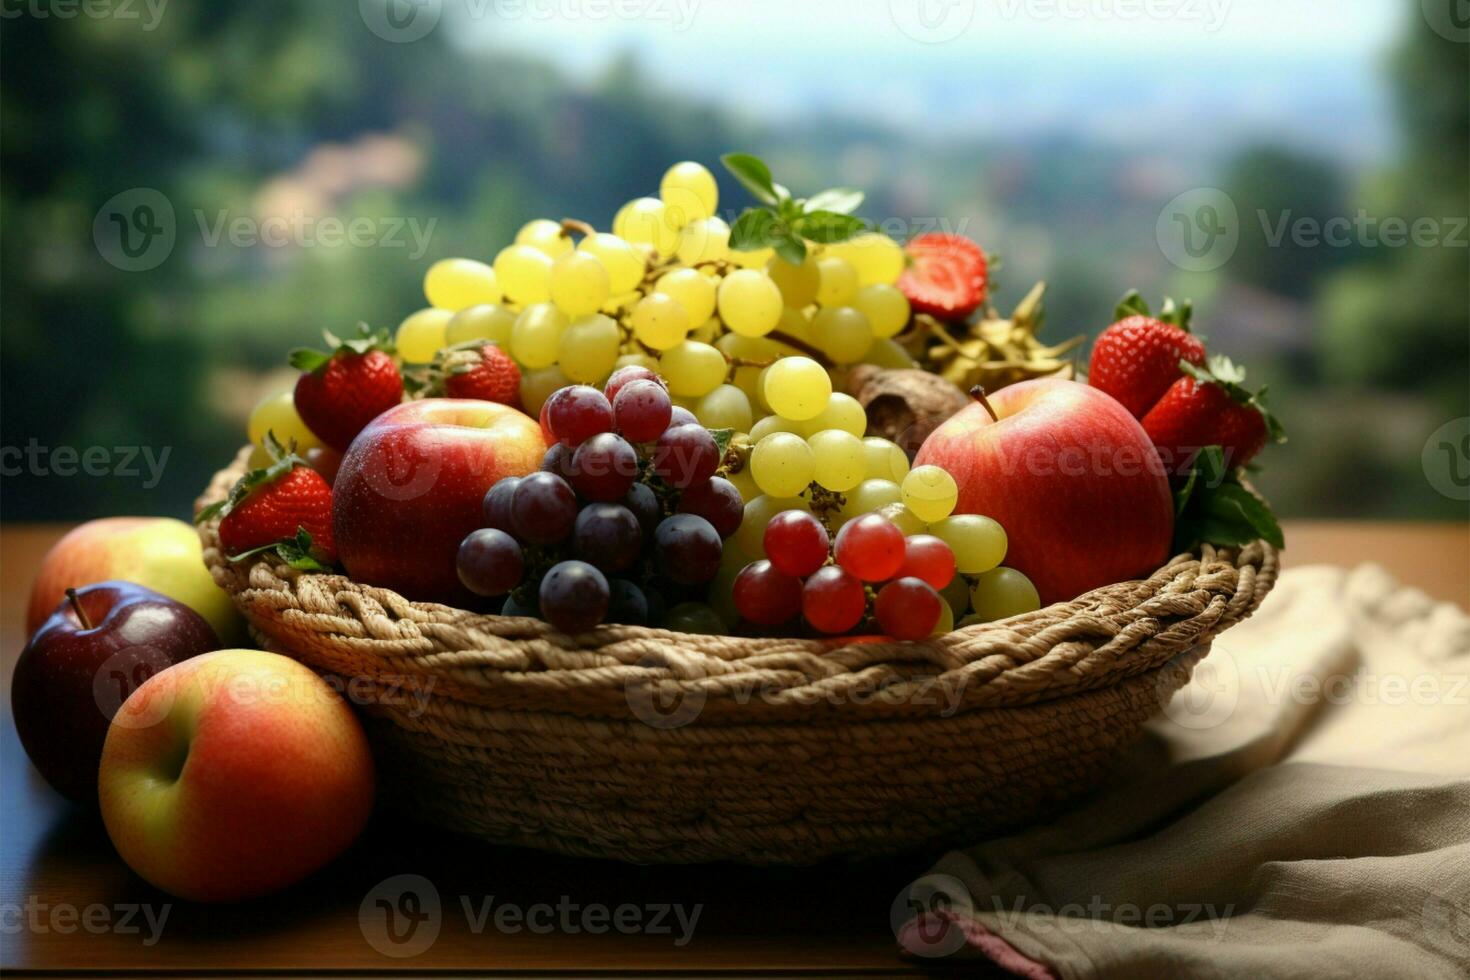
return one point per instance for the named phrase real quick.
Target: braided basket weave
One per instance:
(651, 746)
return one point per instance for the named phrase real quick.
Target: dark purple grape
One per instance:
(643, 502)
(687, 548)
(686, 455)
(490, 562)
(642, 410)
(717, 501)
(578, 414)
(542, 508)
(627, 605)
(573, 596)
(604, 467)
(681, 416)
(608, 536)
(496, 508)
(558, 460)
(625, 375)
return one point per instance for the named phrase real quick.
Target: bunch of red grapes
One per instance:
(625, 521)
(871, 571)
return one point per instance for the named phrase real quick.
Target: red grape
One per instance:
(624, 375)
(542, 508)
(686, 455)
(765, 595)
(833, 600)
(579, 413)
(573, 596)
(688, 549)
(603, 467)
(907, 608)
(490, 562)
(608, 536)
(871, 547)
(796, 542)
(929, 558)
(496, 507)
(717, 501)
(642, 410)
(545, 416)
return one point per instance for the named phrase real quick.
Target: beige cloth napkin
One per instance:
(1302, 809)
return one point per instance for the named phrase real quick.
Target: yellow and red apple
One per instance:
(1069, 474)
(233, 774)
(411, 486)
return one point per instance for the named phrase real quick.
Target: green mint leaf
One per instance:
(1236, 503)
(753, 175)
(842, 200)
(1132, 304)
(1213, 507)
(752, 231)
(783, 195)
(827, 227)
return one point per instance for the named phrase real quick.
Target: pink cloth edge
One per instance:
(974, 938)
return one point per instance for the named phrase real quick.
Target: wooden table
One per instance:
(67, 903)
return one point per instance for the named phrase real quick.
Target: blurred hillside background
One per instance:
(1058, 134)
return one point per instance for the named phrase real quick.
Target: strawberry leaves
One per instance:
(1212, 506)
(1133, 304)
(283, 461)
(784, 223)
(296, 552)
(311, 360)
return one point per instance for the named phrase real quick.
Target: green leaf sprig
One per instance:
(785, 223)
(1212, 506)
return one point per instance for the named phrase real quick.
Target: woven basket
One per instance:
(651, 746)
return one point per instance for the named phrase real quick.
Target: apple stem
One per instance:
(978, 393)
(76, 605)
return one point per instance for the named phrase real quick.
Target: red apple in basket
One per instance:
(411, 485)
(1069, 474)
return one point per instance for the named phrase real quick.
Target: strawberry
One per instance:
(286, 505)
(341, 391)
(946, 276)
(483, 371)
(1137, 358)
(1208, 406)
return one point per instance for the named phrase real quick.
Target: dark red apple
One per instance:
(1069, 474)
(411, 486)
(102, 642)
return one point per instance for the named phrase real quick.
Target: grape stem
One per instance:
(815, 354)
(569, 225)
(978, 393)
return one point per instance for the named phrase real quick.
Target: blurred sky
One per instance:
(1303, 72)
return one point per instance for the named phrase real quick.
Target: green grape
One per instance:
(721, 589)
(978, 543)
(839, 459)
(636, 360)
(546, 236)
(907, 521)
(755, 259)
(536, 336)
(692, 369)
(487, 321)
(749, 303)
(421, 335)
(705, 240)
(645, 221)
(588, 348)
(1001, 593)
(659, 321)
(277, 413)
(886, 353)
(708, 331)
(868, 496)
(946, 619)
(782, 464)
(797, 283)
(794, 323)
(930, 492)
(579, 283)
(745, 483)
(537, 386)
(773, 423)
(693, 617)
(886, 308)
(842, 412)
(842, 333)
(750, 538)
(957, 594)
(797, 388)
(876, 257)
(689, 186)
(694, 290)
(727, 407)
(453, 284)
(885, 460)
(837, 281)
(524, 273)
(625, 264)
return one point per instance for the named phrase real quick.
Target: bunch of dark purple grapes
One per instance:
(624, 523)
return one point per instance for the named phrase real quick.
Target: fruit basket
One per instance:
(652, 746)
